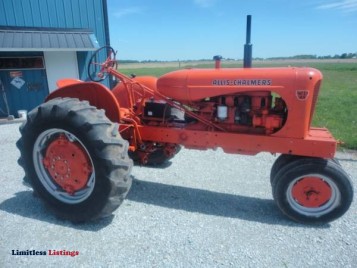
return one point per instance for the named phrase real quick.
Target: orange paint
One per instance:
(241, 110)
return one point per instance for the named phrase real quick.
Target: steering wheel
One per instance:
(98, 71)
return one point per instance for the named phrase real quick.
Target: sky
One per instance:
(200, 29)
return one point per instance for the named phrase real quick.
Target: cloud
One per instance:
(205, 3)
(342, 5)
(128, 11)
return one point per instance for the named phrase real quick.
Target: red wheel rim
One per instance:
(68, 164)
(311, 192)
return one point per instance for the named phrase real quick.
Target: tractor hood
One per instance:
(198, 84)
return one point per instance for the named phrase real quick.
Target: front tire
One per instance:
(313, 190)
(75, 159)
(283, 160)
(280, 162)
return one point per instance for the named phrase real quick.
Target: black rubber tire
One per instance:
(105, 147)
(333, 175)
(285, 159)
(155, 159)
(280, 162)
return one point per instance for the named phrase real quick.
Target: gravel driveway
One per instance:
(206, 209)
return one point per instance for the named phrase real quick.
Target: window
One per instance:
(15, 63)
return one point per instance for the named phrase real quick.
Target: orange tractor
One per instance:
(78, 147)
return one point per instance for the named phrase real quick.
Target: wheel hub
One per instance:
(67, 164)
(311, 192)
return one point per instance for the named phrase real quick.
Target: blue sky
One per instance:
(200, 29)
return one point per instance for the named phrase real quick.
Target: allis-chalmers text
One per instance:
(241, 82)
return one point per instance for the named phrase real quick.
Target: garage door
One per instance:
(24, 83)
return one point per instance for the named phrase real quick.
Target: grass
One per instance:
(337, 104)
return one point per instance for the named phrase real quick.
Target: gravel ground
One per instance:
(206, 209)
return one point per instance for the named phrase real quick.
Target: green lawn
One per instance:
(337, 104)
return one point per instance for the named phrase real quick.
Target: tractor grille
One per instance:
(314, 99)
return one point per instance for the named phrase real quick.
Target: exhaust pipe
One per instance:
(247, 61)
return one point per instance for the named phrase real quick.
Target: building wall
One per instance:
(88, 14)
(55, 13)
(54, 59)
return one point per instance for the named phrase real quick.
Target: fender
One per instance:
(95, 93)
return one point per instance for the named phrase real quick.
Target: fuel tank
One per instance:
(197, 84)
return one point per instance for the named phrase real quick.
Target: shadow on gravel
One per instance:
(211, 203)
(159, 166)
(26, 205)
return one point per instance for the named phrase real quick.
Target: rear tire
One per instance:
(75, 159)
(313, 190)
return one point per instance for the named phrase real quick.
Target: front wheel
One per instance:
(313, 190)
(75, 159)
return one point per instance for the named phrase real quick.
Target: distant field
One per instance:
(337, 105)
(231, 63)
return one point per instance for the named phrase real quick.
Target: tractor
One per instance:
(79, 146)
